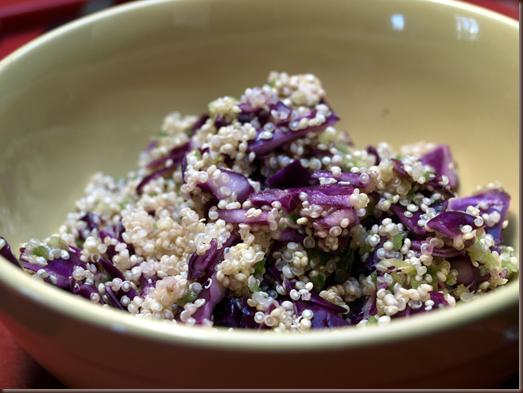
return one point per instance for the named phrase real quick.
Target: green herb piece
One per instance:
(402, 266)
(364, 248)
(451, 280)
(410, 194)
(490, 261)
(79, 243)
(320, 256)
(342, 147)
(349, 163)
(324, 137)
(509, 260)
(189, 297)
(397, 278)
(318, 280)
(374, 276)
(20, 263)
(340, 276)
(483, 270)
(125, 201)
(461, 289)
(41, 251)
(414, 283)
(294, 216)
(346, 259)
(397, 241)
(475, 252)
(259, 268)
(217, 158)
(372, 320)
(57, 241)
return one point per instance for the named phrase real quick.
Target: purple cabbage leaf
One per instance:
(237, 183)
(292, 175)
(450, 223)
(441, 160)
(282, 134)
(492, 202)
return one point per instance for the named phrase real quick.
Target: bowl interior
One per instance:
(88, 96)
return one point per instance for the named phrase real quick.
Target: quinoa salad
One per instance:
(260, 214)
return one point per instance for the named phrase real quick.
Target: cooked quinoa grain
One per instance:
(261, 215)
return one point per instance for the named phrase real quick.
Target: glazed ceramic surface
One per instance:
(88, 96)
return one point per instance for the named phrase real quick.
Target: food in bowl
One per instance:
(261, 215)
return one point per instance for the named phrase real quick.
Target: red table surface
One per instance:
(20, 22)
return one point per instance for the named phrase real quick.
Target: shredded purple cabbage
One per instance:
(492, 201)
(447, 251)
(288, 201)
(291, 235)
(201, 264)
(292, 175)
(228, 313)
(112, 270)
(372, 150)
(85, 291)
(335, 218)
(198, 264)
(438, 298)
(213, 292)
(60, 269)
(450, 223)
(441, 160)
(241, 217)
(399, 167)
(282, 134)
(355, 179)
(6, 252)
(326, 314)
(175, 156)
(329, 195)
(155, 175)
(409, 222)
(237, 183)
(468, 274)
(115, 301)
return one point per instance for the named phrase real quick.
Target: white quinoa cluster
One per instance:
(189, 237)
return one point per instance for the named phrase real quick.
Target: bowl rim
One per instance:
(67, 305)
(132, 6)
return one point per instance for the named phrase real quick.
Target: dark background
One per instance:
(20, 22)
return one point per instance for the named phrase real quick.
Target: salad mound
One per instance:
(260, 214)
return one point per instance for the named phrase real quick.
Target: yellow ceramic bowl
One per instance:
(87, 96)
